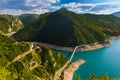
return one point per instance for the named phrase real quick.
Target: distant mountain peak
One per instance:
(61, 10)
(116, 14)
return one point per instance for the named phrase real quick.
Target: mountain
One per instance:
(66, 28)
(24, 61)
(28, 18)
(116, 14)
(109, 23)
(9, 23)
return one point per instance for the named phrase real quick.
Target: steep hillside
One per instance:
(23, 61)
(109, 23)
(116, 14)
(28, 18)
(9, 23)
(63, 28)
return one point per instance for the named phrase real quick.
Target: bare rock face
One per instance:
(68, 73)
(10, 23)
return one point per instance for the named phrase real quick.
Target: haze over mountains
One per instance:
(116, 14)
(66, 28)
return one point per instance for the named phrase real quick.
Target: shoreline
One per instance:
(69, 72)
(88, 47)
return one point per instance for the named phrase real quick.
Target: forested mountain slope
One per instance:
(23, 61)
(66, 28)
(28, 18)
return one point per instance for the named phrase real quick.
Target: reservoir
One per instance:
(98, 62)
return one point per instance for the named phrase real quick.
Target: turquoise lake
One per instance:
(99, 62)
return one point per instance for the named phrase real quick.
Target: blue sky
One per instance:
(16, 7)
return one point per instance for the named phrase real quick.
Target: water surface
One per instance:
(100, 61)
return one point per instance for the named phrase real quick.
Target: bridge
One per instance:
(58, 72)
(74, 51)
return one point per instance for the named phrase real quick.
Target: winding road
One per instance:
(22, 55)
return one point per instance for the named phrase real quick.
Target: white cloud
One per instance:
(77, 7)
(18, 12)
(106, 11)
(54, 1)
(42, 6)
(54, 8)
(105, 8)
(38, 11)
(41, 3)
(97, 8)
(10, 11)
(30, 6)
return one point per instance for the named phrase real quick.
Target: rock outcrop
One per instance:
(68, 73)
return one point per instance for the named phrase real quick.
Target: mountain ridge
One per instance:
(65, 28)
